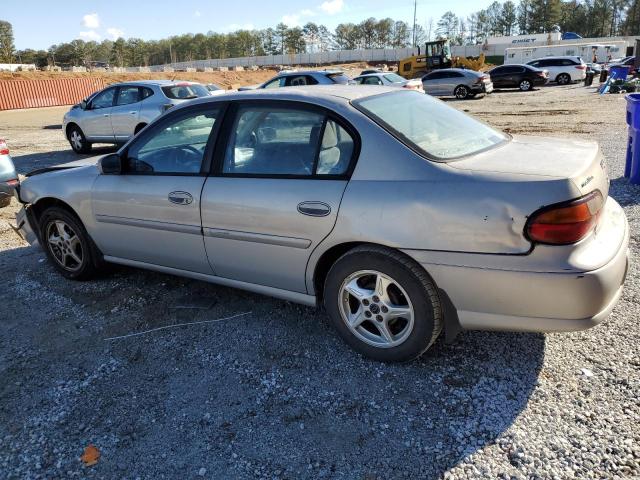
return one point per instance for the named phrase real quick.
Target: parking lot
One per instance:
(275, 393)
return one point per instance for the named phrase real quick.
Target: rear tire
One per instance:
(563, 79)
(525, 85)
(139, 127)
(461, 92)
(68, 245)
(395, 314)
(77, 140)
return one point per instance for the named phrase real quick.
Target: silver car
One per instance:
(389, 79)
(303, 78)
(121, 110)
(346, 197)
(457, 82)
(8, 175)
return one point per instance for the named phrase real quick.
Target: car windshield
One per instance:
(394, 78)
(339, 78)
(429, 126)
(185, 91)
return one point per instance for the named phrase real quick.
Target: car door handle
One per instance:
(133, 113)
(314, 209)
(181, 198)
(106, 114)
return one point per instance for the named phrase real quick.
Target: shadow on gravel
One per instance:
(27, 163)
(275, 394)
(625, 193)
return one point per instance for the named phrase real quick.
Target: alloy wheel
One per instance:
(376, 309)
(76, 140)
(461, 93)
(525, 85)
(64, 245)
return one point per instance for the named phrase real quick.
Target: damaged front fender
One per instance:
(27, 228)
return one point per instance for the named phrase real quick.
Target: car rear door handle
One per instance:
(181, 198)
(314, 209)
(133, 113)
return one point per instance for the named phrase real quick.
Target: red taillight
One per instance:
(4, 150)
(581, 67)
(13, 183)
(565, 223)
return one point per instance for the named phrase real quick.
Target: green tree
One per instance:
(508, 18)
(6, 42)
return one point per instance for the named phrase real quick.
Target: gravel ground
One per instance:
(275, 393)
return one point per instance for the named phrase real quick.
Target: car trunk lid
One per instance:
(578, 161)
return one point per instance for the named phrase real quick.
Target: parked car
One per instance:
(120, 111)
(562, 70)
(302, 78)
(524, 77)
(626, 61)
(389, 79)
(457, 82)
(8, 175)
(347, 197)
(214, 89)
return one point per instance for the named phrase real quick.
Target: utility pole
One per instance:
(415, 11)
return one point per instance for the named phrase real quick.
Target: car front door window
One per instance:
(103, 100)
(176, 146)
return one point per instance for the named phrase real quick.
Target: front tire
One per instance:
(383, 304)
(461, 92)
(68, 245)
(563, 79)
(77, 140)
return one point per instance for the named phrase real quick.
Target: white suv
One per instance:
(563, 70)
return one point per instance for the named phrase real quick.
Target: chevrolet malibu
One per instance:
(399, 214)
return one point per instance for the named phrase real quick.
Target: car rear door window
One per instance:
(145, 92)
(127, 95)
(103, 99)
(289, 141)
(185, 91)
(174, 146)
(273, 141)
(372, 81)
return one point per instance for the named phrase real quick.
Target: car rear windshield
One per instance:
(429, 126)
(339, 78)
(185, 91)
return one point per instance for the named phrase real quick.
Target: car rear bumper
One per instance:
(482, 88)
(490, 298)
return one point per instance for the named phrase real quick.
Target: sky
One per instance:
(39, 24)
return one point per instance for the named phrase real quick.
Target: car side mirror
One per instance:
(110, 165)
(84, 105)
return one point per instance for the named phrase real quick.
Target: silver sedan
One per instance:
(346, 197)
(118, 112)
(457, 82)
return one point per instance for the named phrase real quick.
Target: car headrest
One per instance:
(330, 138)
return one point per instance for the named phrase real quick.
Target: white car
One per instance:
(562, 70)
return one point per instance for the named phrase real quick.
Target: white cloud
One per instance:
(291, 20)
(332, 7)
(90, 35)
(115, 33)
(197, 14)
(91, 20)
(294, 19)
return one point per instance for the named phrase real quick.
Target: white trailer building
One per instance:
(598, 52)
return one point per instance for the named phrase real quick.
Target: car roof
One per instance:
(573, 57)
(326, 93)
(160, 83)
(309, 72)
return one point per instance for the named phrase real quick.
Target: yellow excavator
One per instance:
(436, 55)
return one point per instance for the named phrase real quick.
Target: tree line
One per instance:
(589, 18)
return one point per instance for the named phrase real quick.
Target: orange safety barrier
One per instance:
(46, 93)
